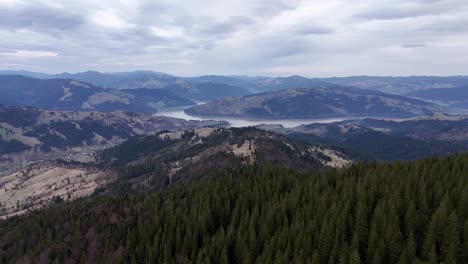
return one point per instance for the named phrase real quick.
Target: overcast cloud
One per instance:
(255, 37)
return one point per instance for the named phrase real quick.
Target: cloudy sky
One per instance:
(252, 37)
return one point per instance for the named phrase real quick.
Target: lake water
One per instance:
(236, 122)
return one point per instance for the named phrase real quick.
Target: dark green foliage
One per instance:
(18, 117)
(370, 213)
(62, 134)
(157, 161)
(12, 145)
(447, 95)
(132, 149)
(57, 199)
(375, 145)
(206, 91)
(433, 128)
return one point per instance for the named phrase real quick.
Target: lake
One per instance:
(236, 122)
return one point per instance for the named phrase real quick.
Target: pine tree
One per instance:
(451, 241)
(354, 258)
(379, 254)
(224, 257)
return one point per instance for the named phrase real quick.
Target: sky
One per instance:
(313, 38)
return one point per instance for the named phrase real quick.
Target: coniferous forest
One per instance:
(415, 212)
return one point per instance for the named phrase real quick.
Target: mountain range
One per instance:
(150, 79)
(67, 94)
(184, 87)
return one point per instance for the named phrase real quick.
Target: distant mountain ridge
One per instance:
(149, 79)
(67, 94)
(184, 87)
(399, 85)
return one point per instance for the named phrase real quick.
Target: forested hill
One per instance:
(376, 213)
(315, 102)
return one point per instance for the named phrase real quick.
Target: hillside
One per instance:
(66, 94)
(206, 91)
(371, 143)
(122, 80)
(316, 102)
(387, 84)
(432, 127)
(267, 84)
(31, 135)
(46, 129)
(455, 97)
(386, 139)
(239, 81)
(369, 213)
(152, 162)
(399, 85)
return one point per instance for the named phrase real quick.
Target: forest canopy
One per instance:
(414, 212)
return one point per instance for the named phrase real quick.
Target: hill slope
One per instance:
(30, 135)
(387, 84)
(157, 160)
(317, 102)
(455, 97)
(399, 85)
(371, 143)
(46, 129)
(148, 163)
(206, 91)
(123, 80)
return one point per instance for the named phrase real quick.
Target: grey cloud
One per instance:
(280, 48)
(392, 14)
(292, 49)
(450, 26)
(39, 17)
(315, 30)
(413, 45)
(269, 8)
(227, 27)
(411, 9)
(6, 50)
(275, 33)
